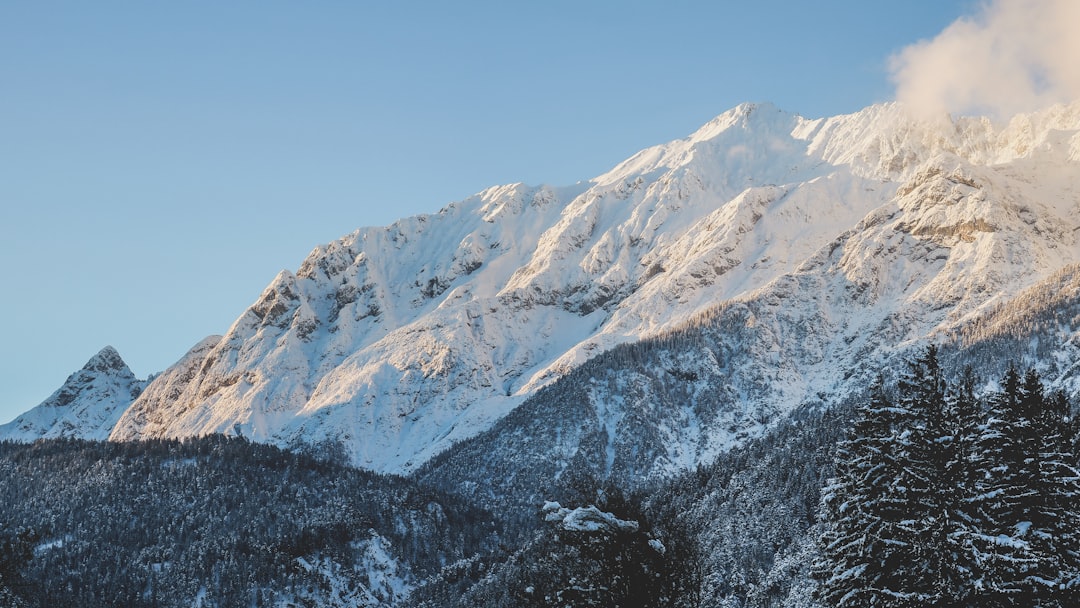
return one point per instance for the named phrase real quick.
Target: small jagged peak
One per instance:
(103, 370)
(85, 406)
(107, 359)
(283, 285)
(285, 277)
(745, 110)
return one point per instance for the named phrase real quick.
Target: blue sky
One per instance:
(161, 162)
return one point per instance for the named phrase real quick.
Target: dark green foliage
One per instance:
(932, 504)
(16, 549)
(942, 501)
(866, 545)
(894, 509)
(1027, 497)
(160, 523)
(627, 563)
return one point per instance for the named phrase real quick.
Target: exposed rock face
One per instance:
(87, 406)
(817, 245)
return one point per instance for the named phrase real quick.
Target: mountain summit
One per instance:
(87, 406)
(826, 243)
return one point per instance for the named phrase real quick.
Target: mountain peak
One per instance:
(86, 406)
(745, 116)
(104, 371)
(107, 359)
(851, 232)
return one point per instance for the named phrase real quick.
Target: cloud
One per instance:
(1013, 56)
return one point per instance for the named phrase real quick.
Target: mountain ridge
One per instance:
(399, 341)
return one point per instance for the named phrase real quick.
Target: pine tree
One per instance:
(965, 423)
(864, 510)
(932, 463)
(999, 462)
(1055, 534)
(934, 504)
(1027, 496)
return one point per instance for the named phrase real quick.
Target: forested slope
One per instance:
(217, 522)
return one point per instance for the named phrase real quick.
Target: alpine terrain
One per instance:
(833, 241)
(648, 373)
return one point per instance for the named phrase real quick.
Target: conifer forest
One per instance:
(926, 490)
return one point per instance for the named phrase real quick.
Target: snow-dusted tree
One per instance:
(965, 421)
(15, 552)
(931, 477)
(1027, 498)
(1060, 504)
(864, 562)
(999, 555)
(895, 526)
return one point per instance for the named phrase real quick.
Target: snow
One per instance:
(87, 406)
(377, 579)
(385, 574)
(844, 239)
(49, 545)
(550, 505)
(586, 519)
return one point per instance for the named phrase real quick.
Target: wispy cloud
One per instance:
(1012, 56)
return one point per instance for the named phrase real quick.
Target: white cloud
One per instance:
(1013, 56)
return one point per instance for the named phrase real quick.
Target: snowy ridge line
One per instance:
(813, 243)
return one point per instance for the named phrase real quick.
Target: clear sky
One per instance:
(160, 162)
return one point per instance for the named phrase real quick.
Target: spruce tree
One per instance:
(965, 423)
(931, 463)
(864, 509)
(896, 523)
(1055, 531)
(999, 461)
(1027, 497)
(936, 504)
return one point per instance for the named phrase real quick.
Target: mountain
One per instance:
(765, 262)
(87, 406)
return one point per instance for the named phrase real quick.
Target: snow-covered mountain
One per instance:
(87, 406)
(818, 246)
